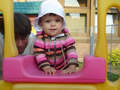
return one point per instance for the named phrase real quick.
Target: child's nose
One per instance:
(20, 43)
(53, 23)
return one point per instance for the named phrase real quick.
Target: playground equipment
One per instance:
(97, 82)
(25, 72)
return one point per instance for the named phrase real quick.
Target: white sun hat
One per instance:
(49, 6)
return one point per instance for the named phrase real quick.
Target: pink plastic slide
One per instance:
(24, 69)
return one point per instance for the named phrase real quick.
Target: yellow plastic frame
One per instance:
(6, 6)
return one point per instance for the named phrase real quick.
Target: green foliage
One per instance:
(115, 58)
(112, 77)
(80, 65)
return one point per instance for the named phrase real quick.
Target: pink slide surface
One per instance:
(24, 69)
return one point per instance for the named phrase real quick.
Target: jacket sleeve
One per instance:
(71, 53)
(39, 52)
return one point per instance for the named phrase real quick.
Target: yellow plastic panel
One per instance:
(5, 85)
(52, 87)
(103, 7)
(40, 86)
(6, 6)
(101, 45)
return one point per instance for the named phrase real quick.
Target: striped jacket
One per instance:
(58, 51)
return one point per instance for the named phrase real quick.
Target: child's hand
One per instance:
(71, 69)
(49, 70)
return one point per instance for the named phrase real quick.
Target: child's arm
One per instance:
(40, 57)
(71, 55)
(72, 62)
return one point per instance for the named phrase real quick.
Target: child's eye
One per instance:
(57, 20)
(47, 21)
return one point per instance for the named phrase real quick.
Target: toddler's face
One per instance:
(52, 24)
(21, 43)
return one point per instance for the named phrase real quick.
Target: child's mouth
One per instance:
(52, 29)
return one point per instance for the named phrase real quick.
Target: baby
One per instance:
(54, 46)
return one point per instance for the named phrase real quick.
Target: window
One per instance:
(72, 3)
(75, 3)
(109, 24)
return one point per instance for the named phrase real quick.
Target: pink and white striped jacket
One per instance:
(58, 51)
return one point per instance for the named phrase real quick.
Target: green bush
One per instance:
(115, 62)
(115, 58)
(112, 77)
